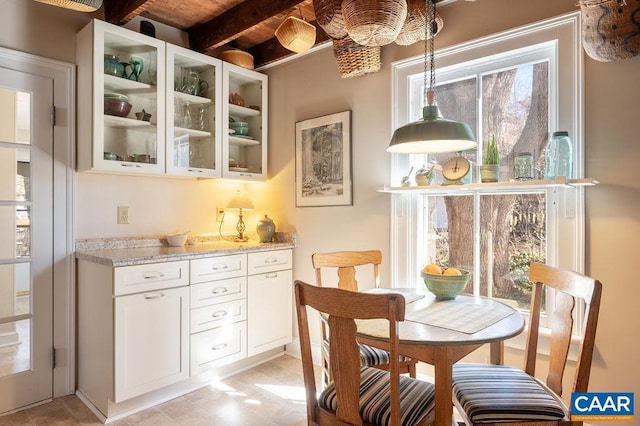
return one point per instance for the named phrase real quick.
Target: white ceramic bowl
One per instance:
(177, 240)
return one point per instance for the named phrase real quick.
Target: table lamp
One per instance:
(240, 201)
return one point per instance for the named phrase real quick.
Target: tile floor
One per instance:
(271, 394)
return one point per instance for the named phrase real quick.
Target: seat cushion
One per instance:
(416, 398)
(499, 393)
(369, 356)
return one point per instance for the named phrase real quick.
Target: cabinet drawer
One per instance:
(151, 277)
(205, 294)
(218, 268)
(218, 347)
(218, 315)
(268, 261)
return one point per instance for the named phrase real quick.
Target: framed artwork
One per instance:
(323, 161)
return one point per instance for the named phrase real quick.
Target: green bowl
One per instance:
(446, 287)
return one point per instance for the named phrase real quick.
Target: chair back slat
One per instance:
(346, 262)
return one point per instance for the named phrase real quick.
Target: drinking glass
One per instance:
(136, 64)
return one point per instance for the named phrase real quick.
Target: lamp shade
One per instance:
(240, 201)
(79, 5)
(432, 134)
(296, 35)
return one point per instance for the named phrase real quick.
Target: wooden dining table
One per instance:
(441, 333)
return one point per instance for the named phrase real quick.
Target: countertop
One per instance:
(125, 255)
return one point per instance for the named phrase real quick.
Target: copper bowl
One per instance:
(116, 107)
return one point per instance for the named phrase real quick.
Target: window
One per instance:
(520, 86)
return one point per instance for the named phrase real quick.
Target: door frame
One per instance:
(63, 75)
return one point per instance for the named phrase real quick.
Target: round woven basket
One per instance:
(413, 29)
(374, 23)
(610, 29)
(329, 17)
(237, 57)
(355, 60)
(296, 35)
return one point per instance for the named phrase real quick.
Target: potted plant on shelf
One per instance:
(490, 167)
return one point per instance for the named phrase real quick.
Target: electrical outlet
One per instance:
(219, 215)
(123, 215)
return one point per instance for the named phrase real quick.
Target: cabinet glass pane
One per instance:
(245, 124)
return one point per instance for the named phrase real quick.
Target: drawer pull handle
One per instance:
(219, 267)
(219, 290)
(271, 260)
(152, 275)
(219, 347)
(219, 314)
(153, 296)
(272, 275)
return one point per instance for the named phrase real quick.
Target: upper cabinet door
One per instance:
(121, 100)
(244, 99)
(194, 90)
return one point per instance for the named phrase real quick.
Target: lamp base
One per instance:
(240, 239)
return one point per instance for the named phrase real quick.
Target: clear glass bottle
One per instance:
(558, 156)
(523, 166)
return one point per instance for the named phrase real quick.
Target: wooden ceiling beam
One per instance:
(119, 12)
(228, 25)
(272, 51)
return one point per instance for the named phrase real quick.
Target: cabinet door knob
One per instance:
(152, 275)
(219, 314)
(219, 347)
(219, 290)
(153, 296)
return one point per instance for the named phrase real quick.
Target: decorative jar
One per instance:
(265, 229)
(112, 65)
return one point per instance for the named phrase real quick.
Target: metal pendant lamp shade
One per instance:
(79, 5)
(432, 133)
(296, 34)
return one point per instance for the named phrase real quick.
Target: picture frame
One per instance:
(323, 161)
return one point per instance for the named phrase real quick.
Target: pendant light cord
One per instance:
(430, 30)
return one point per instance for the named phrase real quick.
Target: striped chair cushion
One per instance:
(416, 398)
(499, 393)
(369, 356)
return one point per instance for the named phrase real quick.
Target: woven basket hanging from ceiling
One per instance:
(296, 35)
(329, 17)
(374, 22)
(413, 29)
(355, 60)
(611, 29)
(79, 5)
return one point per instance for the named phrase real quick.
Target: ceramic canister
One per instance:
(265, 229)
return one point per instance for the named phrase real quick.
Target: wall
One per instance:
(309, 87)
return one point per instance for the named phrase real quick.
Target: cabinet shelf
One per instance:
(181, 131)
(115, 121)
(471, 188)
(243, 141)
(191, 98)
(112, 82)
(242, 112)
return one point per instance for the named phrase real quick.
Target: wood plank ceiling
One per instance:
(213, 25)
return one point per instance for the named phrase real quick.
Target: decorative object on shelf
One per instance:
(610, 30)
(558, 156)
(374, 23)
(116, 104)
(112, 65)
(265, 229)
(195, 86)
(406, 180)
(143, 115)
(240, 201)
(424, 176)
(240, 128)
(329, 17)
(237, 57)
(137, 64)
(455, 169)
(147, 28)
(413, 28)
(79, 5)
(236, 99)
(355, 60)
(432, 133)
(490, 168)
(523, 167)
(296, 34)
(323, 161)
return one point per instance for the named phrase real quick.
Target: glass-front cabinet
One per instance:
(194, 83)
(244, 100)
(121, 99)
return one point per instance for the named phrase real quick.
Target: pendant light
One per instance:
(79, 5)
(432, 133)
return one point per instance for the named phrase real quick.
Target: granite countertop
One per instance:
(137, 251)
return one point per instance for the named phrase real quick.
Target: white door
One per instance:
(26, 239)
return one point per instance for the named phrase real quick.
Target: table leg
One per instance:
(443, 368)
(496, 353)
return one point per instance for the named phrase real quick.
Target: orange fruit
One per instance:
(432, 268)
(452, 271)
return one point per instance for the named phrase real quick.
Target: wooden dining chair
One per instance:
(345, 263)
(359, 395)
(505, 395)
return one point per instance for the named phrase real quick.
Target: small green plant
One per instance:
(492, 155)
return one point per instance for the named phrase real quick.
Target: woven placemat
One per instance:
(464, 317)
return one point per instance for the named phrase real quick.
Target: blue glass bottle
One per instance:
(558, 157)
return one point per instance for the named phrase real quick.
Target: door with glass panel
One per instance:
(26, 239)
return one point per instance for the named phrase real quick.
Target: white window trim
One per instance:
(569, 227)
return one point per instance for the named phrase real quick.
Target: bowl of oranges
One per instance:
(445, 283)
